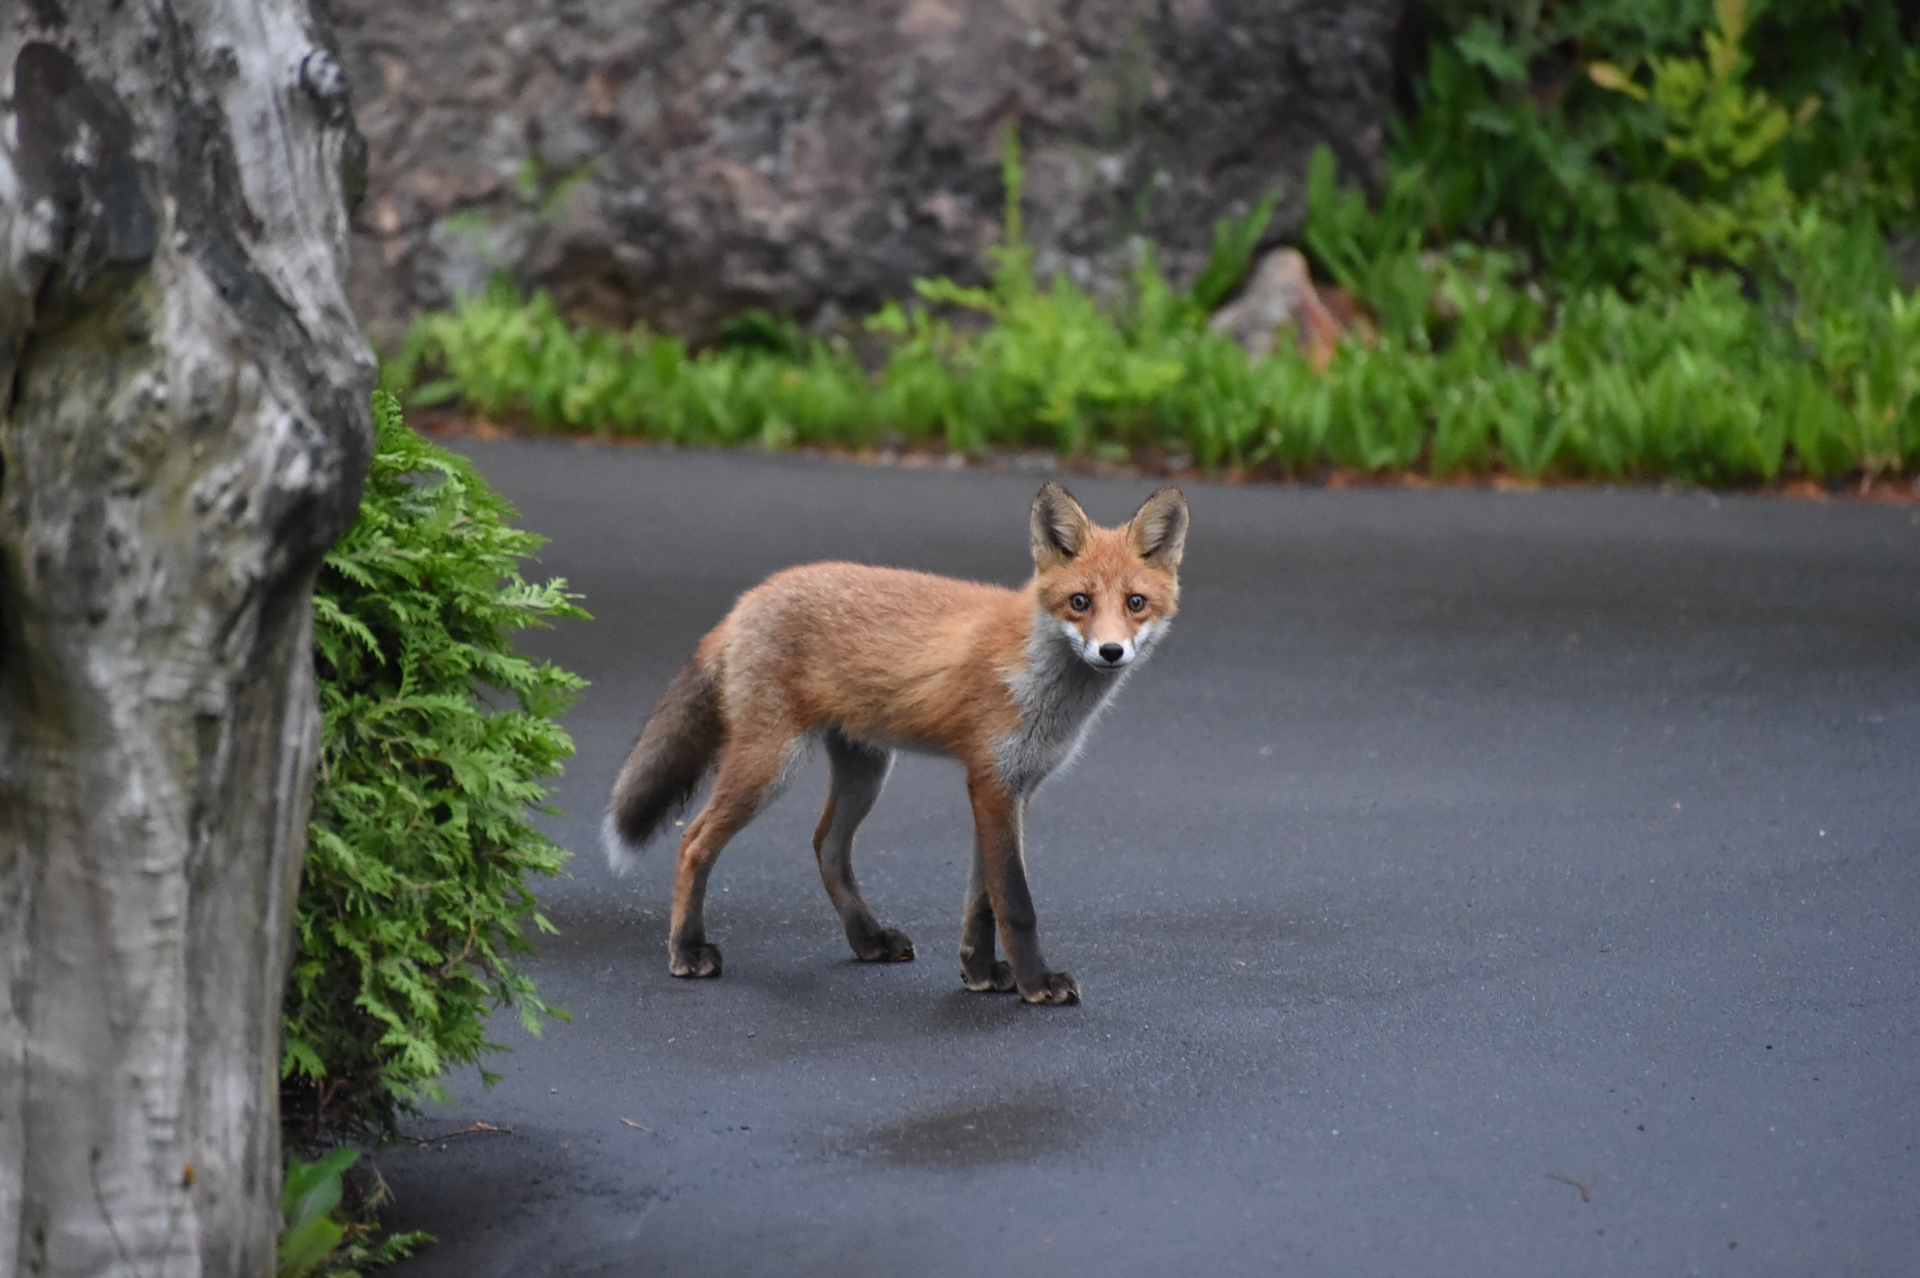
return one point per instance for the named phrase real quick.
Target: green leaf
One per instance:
(1608, 76)
(1482, 45)
(304, 1247)
(312, 1190)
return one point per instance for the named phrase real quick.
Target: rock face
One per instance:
(676, 161)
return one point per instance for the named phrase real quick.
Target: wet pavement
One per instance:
(1473, 883)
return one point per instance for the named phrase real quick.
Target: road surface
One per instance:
(1473, 883)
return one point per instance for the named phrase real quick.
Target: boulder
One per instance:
(677, 162)
(1279, 293)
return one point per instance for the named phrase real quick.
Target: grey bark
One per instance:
(183, 431)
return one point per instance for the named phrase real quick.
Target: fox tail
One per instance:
(676, 750)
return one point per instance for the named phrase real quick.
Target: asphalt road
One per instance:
(1473, 883)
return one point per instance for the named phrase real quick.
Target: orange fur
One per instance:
(870, 660)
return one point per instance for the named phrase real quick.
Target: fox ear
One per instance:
(1158, 530)
(1060, 528)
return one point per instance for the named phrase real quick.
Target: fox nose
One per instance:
(1111, 652)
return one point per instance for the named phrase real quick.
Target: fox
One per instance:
(866, 661)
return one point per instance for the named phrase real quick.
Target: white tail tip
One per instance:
(621, 855)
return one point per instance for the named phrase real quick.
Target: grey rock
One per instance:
(675, 162)
(1278, 293)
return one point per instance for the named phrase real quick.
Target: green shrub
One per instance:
(1613, 242)
(437, 737)
(322, 1237)
(1604, 140)
(1474, 371)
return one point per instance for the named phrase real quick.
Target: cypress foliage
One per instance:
(437, 742)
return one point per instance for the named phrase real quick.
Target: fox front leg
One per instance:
(998, 861)
(979, 969)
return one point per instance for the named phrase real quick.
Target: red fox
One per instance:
(870, 660)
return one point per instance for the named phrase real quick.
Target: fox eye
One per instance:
(1079, 603)
(1136, 603)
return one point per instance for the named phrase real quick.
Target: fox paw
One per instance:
(997, 980)
(702, 959)
(888, 945)
(1055, 989)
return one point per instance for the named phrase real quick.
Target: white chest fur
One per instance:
(1059, 696)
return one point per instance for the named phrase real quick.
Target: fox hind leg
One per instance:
(859, 771)
(751, 773)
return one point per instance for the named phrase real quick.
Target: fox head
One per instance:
(1110, 591)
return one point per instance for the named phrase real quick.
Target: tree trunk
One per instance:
(183, 431)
